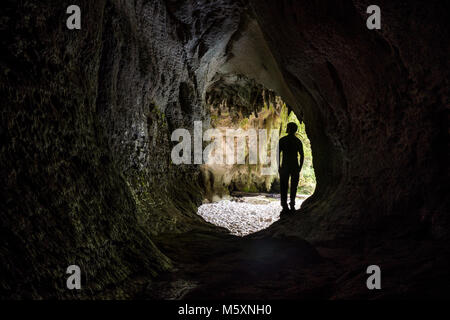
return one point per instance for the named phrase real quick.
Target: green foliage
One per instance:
(243, 123)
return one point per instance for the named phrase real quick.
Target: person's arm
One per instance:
(302, 156)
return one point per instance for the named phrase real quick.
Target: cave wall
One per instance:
(376, 104)
(64, 201)
(86, 119)
(220, 177)
(147, 90)
(163, 63)
(87, 115)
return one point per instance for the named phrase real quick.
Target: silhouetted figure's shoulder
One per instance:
(290, 141)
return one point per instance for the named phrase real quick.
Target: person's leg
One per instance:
(294, 184)
(284, 181)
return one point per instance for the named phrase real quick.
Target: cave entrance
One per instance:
(243, 197)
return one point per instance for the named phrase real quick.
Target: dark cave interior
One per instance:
(87, 117)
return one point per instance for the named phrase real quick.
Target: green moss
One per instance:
(243, 122)
(251, 188)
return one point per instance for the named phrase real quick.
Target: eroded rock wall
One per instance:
(63, 199)
(147, 90)
(375, 102)
(87, 116)
(86, 119)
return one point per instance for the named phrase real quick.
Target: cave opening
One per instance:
(243, 194)
(86, 125)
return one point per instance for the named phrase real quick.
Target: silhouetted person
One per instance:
(290, 146)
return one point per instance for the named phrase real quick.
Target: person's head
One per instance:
(291, 128)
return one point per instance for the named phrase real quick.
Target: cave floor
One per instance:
(246, 214)
(214, 265)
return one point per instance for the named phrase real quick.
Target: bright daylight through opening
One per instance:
(240, 197)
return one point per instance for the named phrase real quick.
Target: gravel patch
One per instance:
(243, 216)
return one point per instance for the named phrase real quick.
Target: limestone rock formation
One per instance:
(236, 166)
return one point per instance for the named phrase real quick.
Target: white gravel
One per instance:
(245, 215)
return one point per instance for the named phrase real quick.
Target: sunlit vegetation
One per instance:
(247, 178)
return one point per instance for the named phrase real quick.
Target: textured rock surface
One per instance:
(63, 199)
(376, 101)
(87, 115)
(233, 120)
